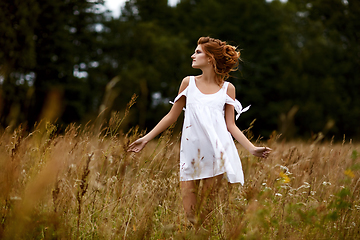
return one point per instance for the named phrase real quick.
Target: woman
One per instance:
(207, 148)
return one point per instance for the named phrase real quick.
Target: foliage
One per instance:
(55, 41)
(299, 72)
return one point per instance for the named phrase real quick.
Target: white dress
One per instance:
(207, 147)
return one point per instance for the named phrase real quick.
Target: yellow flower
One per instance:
(349, 173)
(285, 178)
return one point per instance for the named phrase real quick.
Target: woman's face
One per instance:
(199, 58)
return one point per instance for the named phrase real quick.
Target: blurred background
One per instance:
(74, 61)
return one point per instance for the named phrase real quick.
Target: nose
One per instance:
(193, 56)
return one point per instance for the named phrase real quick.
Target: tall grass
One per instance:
(83, 184)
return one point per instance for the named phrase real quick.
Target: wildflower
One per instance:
(284, 177)
(326, 183)
(113, 179)
(349, 173)
(15, 198)
(283, 167)
(306, 185)
(278, 194)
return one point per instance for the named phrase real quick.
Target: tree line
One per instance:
(72, 61)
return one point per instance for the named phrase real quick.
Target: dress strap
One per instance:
(225, 86)
(192, 82)
(185, 92)
(237, 105)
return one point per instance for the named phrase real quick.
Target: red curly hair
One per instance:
(224, 58)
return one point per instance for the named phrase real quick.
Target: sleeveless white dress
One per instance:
(207, 147)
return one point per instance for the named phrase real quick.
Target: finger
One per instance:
(134, 144)
(131, 148)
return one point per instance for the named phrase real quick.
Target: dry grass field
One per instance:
(84, 185)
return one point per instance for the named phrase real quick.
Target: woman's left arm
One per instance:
(235, 131)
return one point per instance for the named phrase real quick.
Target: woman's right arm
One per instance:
(164, 123)
(236, 132)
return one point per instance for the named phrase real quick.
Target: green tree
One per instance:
(146, 57)
(48, 46)
(323, 74)
(66, 46)
(299, 71)
(17, 55)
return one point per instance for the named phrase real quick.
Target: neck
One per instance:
(208, 74)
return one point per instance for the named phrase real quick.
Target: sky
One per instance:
(115, 5)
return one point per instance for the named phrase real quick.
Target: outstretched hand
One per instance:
(137, 145)
(262, 152)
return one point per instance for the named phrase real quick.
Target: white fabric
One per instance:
(207, 148)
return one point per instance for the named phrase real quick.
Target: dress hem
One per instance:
(199, 178)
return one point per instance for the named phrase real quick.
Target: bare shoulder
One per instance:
(184, 84)
(231, 87)
(231, 91)
(186, 81)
